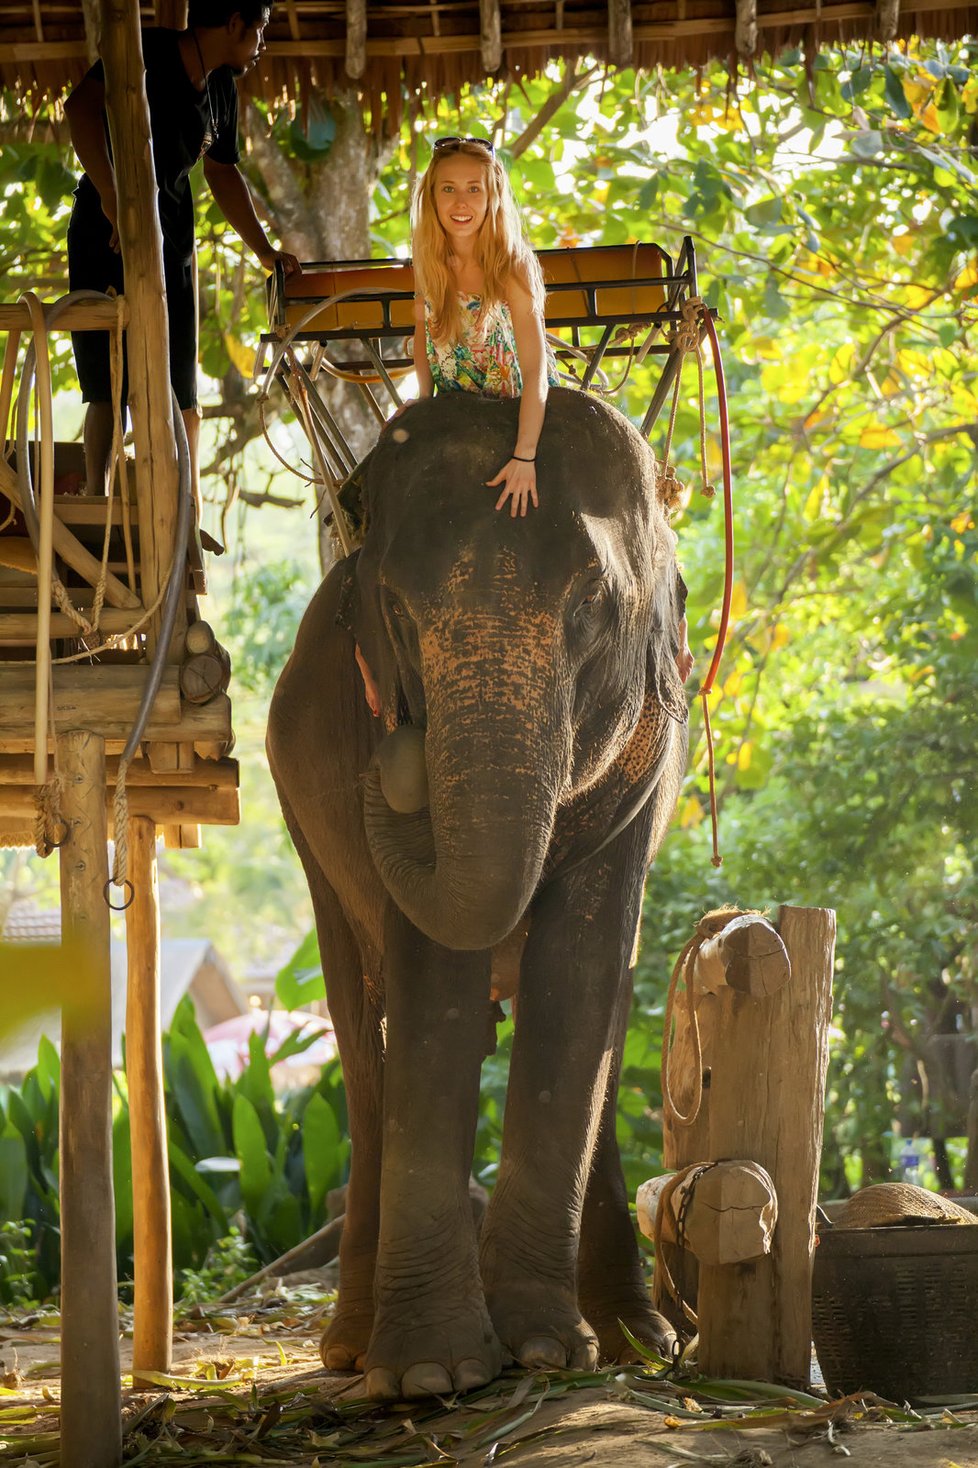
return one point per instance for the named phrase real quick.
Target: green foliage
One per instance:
(263, 615)
(17, 1272)
(237, 1151)
(300, 981)
(229, 1261)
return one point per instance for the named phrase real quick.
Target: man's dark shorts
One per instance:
(93, 266)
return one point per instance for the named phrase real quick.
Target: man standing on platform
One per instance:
(193, 109)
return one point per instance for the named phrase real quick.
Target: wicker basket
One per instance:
(894, 1310)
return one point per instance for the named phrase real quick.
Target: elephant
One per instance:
(490, 831)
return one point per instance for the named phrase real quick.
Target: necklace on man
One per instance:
(210, 129)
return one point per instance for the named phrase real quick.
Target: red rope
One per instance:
(728, 573)
(728, 530)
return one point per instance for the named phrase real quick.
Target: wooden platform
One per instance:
(184, 778)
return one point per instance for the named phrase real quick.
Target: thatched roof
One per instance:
(384, 46)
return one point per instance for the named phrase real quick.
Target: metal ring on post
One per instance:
(119, 906)
(56, 845)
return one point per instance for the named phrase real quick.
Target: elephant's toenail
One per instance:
(544, 1352)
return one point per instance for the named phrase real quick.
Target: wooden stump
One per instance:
(762, 1000)
(91, 1430)
(153, 1268)
(767, 1103)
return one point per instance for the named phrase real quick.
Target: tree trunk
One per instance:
(321, 211)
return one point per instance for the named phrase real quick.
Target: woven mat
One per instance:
(892, 1204)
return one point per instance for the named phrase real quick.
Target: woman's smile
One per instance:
(460, 195)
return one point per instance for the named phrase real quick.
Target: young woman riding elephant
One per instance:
(522, 774)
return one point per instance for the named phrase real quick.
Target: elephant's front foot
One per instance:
(345, 1339)
(431, 1348)
(649, 1328)
(539, 1323)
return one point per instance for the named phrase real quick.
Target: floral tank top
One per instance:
(482, 361)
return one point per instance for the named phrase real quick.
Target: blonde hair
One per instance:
(501, 248)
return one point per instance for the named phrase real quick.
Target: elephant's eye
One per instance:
(395, 607)
(593, 594)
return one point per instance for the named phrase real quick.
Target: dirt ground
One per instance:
(249, 1388)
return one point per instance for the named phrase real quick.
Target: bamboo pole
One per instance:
(21, 627)
(213, 805)
(202, 723)
(152, 1334)
(147, 339)
(222, 774)
(7, 379)
(45, 553)
(90, 696)
(80, 316)
(91, 1431)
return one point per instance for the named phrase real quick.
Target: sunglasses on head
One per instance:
(454, 142)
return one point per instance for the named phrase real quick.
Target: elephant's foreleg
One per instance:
(356, 1019)
(611, 1285)
(432, 1332)
(574, 969)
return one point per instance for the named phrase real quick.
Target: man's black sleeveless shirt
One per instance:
(181, 121)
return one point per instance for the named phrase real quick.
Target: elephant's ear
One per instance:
(348, 600)
(662, 675)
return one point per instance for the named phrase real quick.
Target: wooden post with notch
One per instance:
(91, 1400)
(152, 1256)
(767, 1103)
(762, 997)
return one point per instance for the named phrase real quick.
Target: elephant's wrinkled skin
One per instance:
(533, 660)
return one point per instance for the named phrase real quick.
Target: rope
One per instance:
(120, 816)
(686, 341)
(689, 1176)
(708, 926)
(728, 574)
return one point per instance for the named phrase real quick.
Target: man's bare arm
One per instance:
(234, 199)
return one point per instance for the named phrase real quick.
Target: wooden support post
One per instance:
(620, 32)
(356, 38)
(887, 20)
(971, 1157)
(745, 30)
(91, 1430)
(490, 35)
(147, 338)
(767, 1103)
(153, 1269)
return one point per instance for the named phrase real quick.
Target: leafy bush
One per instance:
(243, 1162)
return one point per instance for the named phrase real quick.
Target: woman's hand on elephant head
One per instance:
(519, 479)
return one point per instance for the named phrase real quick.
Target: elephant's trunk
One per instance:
(464, 871)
